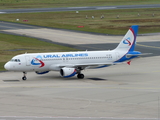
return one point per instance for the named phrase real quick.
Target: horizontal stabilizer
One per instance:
(132, 55)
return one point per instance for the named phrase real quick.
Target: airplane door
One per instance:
(27, 60)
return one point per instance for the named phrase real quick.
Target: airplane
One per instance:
(71, 63)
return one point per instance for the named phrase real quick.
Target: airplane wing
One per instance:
(96, 65)
(86, 65)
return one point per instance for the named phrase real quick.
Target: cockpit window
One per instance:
(15, 60)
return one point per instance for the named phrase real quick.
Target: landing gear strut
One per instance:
(24, 77)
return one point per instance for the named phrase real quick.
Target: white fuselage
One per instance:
(53, 61)
(71, 63)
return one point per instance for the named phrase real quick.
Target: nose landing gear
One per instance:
(24, 77)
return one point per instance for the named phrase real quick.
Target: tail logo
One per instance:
(127, 41)
(37, 61)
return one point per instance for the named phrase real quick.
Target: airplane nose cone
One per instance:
(7, 66)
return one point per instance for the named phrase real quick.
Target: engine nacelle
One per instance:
(68, 72)
(41, 72)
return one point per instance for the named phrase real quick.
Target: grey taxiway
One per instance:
(77, 8)
(117, 92)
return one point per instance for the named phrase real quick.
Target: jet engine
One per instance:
(68, 72)
(41, 72)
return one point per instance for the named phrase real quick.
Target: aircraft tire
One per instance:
(24, 78)
(80, 76)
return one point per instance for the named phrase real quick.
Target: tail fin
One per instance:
(128, 42)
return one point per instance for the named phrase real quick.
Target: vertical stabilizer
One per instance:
(128, 42)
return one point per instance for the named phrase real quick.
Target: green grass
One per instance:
(12, 4)
(11, 45)
(109, 25)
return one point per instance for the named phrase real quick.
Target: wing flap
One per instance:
(85, 65)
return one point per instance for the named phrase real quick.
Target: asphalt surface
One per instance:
(72, 118)
(114, 93)
(77, 8)
(9, 25)
(120, 92)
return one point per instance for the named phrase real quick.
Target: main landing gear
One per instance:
(80, 75)
(24, 77)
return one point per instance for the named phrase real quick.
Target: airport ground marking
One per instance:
(148, 46)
